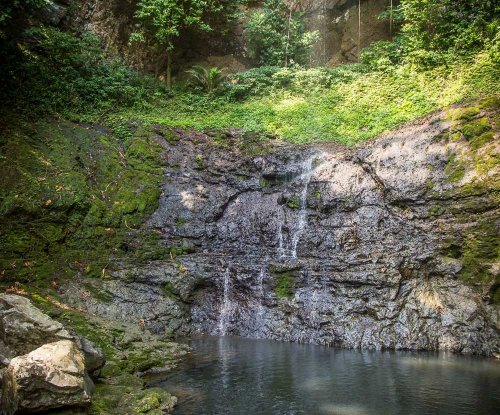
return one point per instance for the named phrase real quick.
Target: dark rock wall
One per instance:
(382, 246)
(336, 21)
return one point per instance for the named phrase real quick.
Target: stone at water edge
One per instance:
(23, 328)
(52, 376)
(94, 356)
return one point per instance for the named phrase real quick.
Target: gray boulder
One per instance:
(23, 328)
(94, 356)
(52, 376)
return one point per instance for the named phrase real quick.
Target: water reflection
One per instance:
(230, 375)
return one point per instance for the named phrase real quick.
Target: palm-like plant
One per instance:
(208, 78)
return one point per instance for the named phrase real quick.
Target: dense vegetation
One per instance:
(49, 72)
(446, 52)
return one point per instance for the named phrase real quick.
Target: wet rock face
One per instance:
(321, 244)
(336, 21)
(342, 27)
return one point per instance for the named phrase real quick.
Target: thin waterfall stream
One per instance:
(295, 231)
(226, 304)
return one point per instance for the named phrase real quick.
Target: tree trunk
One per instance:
(169, 69)
(359, 30)
(390, 23)
(288, 37)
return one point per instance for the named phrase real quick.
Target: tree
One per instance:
(277, 36)
(16, 13)
(162, 21)
(433, 31)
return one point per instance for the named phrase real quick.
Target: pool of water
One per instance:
(231, 375)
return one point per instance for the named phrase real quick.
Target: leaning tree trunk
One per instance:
(288, 37)
(390, 23)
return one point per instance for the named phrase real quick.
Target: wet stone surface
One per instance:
(318, 244)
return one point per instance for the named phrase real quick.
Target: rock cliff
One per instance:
(337, 22)
(393, 244)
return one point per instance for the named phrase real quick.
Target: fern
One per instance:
(209, 79)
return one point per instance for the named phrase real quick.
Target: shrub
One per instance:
(208, 79)
(54, 71)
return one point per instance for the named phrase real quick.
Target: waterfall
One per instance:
(295, 232)
(306, 175)
(260, 313)
(281, 248)
(226, 305)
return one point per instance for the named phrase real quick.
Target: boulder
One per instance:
(23, 328)
(52, 376)
(94, 356)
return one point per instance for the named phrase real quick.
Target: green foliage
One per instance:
(208, 79)
(162, 21)
(277, 36)
(382, 55)
(348, 104)
(266, 80)
(54, 71)
(16, 10)
(434, 32)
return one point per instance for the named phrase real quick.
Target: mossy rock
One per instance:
(477, 142)
(490, 103)
(455, 169)
(284, 283)
(475, 128)
(466, 113)
(74, 198)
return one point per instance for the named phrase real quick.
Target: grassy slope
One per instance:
(355, 108)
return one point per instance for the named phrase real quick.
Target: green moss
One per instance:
(180, 221)
(455, 169)
(430, 184)
(199, 162)
(283, 284)
(466, 113)
(168, 290)
(179, 250)
(485, 163)
(73, 199)
(293, 202)
(477, 142)
(437, 210)
(481, 249)
(475, 128)
(495, 294)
